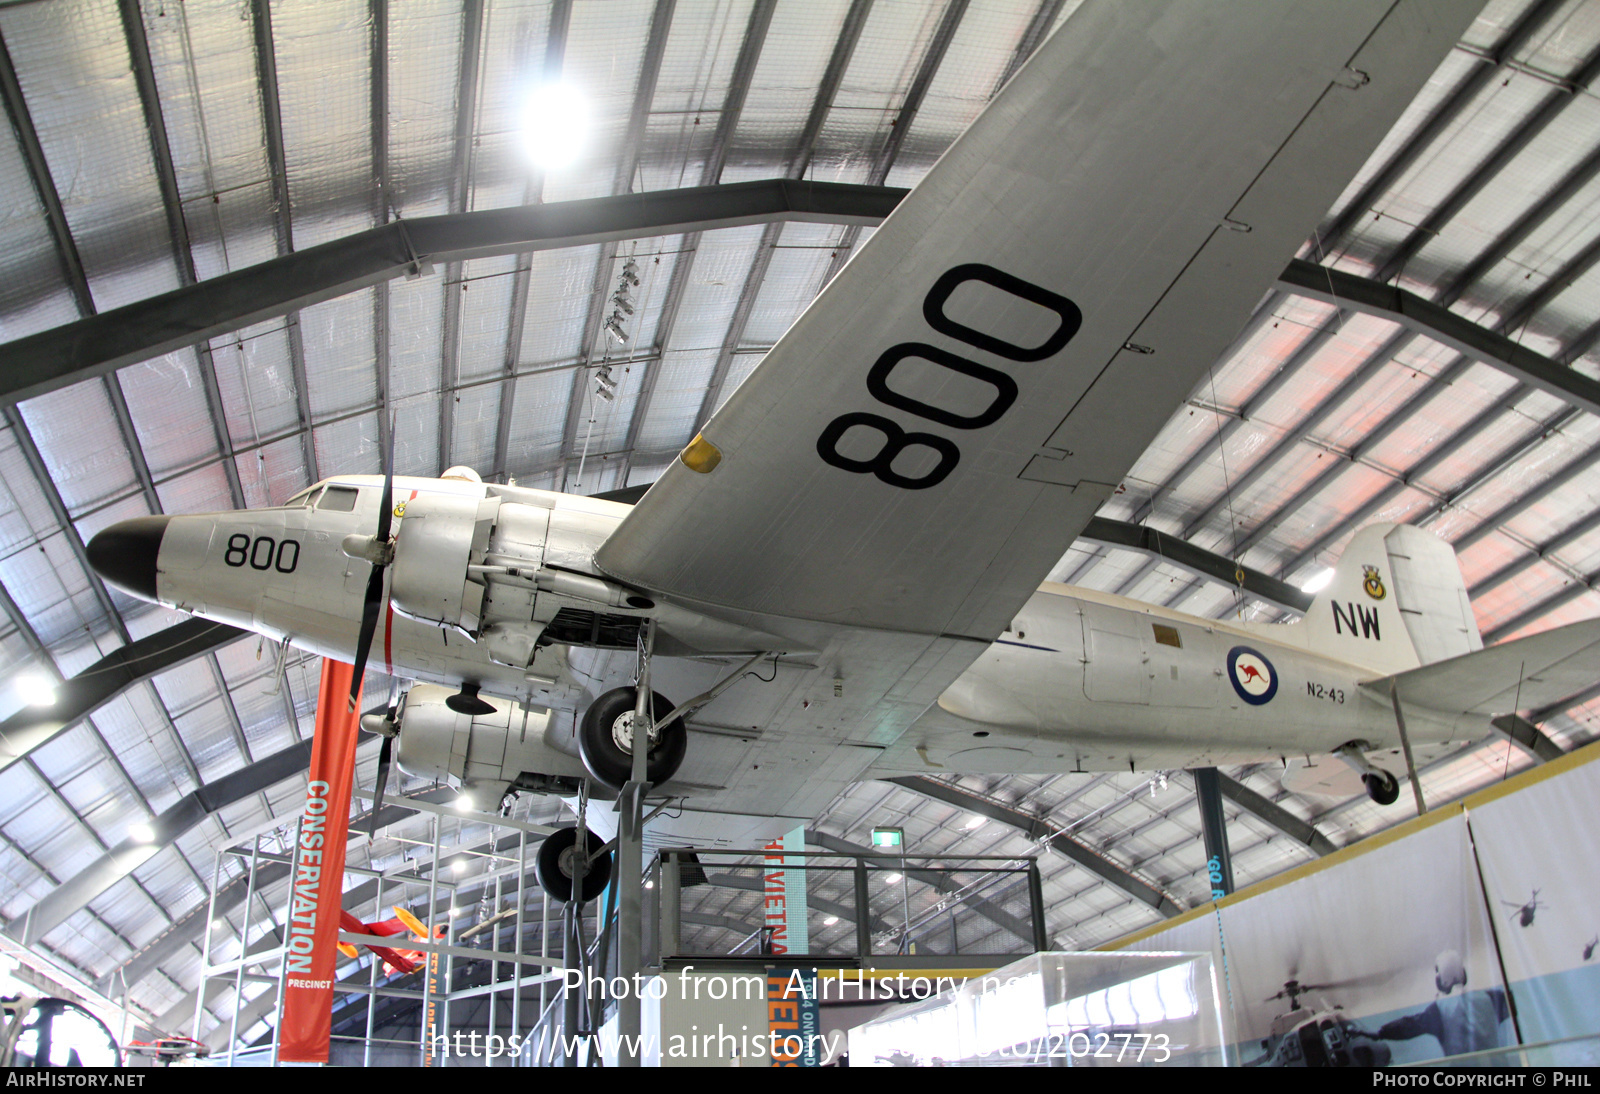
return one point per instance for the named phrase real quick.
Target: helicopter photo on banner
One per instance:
(1454, 935)
(1385, 958)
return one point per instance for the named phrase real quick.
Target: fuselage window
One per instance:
(338, 499)
(1167, 636)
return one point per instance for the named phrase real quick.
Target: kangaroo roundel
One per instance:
(1252, 675)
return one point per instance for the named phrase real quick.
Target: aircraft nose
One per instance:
(124, 555)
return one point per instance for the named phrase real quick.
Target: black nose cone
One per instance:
(124, 555)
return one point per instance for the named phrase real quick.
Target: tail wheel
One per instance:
(1382, 787)
(606, 739)
(556, 864)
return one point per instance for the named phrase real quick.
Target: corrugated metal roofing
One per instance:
(1482, 199)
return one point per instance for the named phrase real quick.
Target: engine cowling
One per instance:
(439, 537)
(516, 747)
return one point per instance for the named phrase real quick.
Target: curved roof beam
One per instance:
(66, 899)
(1196, 560)
(1422, 316)
(103, 681)
(1302, 832)
(1034, 828)
(137, 332)
(102, 343)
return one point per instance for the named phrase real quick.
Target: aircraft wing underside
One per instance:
(913, 456)
(931, 435)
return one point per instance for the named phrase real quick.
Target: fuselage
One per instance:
(497, 596)
(1084, 680)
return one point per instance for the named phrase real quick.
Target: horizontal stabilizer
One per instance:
(1520, 675)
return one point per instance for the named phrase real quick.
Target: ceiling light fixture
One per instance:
(1318, 583)
(555, 124)
(36, 691)
(142, 833)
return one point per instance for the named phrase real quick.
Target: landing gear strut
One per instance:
(1382, 787)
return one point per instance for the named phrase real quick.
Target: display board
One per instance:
(1469, 929)
(1540, 856)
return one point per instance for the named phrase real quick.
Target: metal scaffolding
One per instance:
(474, 913)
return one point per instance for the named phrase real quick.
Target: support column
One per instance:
(1219, 863)
(629, 878)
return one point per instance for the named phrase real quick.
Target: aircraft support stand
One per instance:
(630, 863)
(572, 954)
(1219, 861)
(1405, 744)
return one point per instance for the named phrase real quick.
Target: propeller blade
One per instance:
(386, 509)
(371, 608)
(382, 784)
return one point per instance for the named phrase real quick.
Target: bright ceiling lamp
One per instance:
(36, 691)
(1318, 583)
(555, 125)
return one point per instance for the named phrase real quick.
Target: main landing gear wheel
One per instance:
(605, 739)
(556, 864)
(1382, 787)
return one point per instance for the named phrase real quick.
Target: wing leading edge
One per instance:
(937, 428)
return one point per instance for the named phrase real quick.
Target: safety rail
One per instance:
(857, 906)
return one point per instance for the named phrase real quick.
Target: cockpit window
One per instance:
(302, 498)
(338, 499)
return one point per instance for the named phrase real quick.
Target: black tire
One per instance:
(1382, 787)
(607, 760)
(553, 866)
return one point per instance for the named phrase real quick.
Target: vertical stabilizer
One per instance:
(1397, 600)
(1432, 595)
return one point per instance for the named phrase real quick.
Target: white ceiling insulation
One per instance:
(283, 125)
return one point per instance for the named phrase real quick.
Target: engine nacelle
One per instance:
(439, 537)
(515, 747)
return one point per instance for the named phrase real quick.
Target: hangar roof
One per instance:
(1429, 358)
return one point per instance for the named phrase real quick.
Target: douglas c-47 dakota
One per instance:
(843, 569)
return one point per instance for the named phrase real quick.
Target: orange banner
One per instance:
(319, 875)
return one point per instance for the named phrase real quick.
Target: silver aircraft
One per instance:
(839, 577)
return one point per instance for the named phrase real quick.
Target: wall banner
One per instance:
(315, 901)
(793, 1017)
(784, 896)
